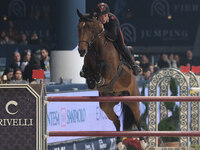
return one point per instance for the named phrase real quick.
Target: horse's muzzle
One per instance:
(85, 72)
(82, 52)
(91, 84)
(82, 74)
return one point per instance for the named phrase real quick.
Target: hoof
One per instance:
(121, 146)
(143, 144)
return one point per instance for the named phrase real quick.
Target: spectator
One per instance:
(16, 61)
(26, 56)
(163, 62)
(177, 59)
(34, 39)
(45, 62)
(172, 61)
(37, 15)
(145, 78)
(144, 63)
(3, 35)
(189, 59)
(12, 32)
(151, 69)
(18, 78)
(34, 64)
(7, 40)
(9, 74)
(147, 74)
(23, 39)
(140, 76)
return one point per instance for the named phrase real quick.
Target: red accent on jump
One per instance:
(185, 69)
(38, 74)
(123, 98)
(126, 133)
(196, 69)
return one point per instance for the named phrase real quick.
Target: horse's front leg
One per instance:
(134, 106)
(107, 107)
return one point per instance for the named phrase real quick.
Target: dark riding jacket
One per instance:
(113, 32)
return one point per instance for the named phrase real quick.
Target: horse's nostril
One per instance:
(82, 74)
(82, 52)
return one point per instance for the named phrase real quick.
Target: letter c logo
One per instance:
(11, 103)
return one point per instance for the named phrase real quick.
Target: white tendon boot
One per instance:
(121, 146)
(143, 144)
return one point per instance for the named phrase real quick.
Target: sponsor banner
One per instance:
(87, 144)
(16, 9)
(79, 116)
(20, 117)
(155, 32)
(144, 9)
(156, 22)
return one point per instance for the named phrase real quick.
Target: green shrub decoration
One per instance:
(171, 123)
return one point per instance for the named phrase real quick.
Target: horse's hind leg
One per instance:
(134, 106)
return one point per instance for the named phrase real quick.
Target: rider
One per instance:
(113, 32)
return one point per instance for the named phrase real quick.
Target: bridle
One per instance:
(93, 37)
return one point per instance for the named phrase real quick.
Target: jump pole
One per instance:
(123, 98)
(126, 133)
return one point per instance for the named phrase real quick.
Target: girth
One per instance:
(109, 87)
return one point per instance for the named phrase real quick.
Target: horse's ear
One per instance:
(94, 14)
(79, 13)
(91, 15)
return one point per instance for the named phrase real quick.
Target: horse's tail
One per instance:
(128, 118)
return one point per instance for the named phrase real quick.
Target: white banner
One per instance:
(79, 116)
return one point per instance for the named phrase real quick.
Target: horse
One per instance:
(106, 72)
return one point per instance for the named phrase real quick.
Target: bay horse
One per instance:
(106, 72)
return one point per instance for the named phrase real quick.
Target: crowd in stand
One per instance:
(166, 60)
(22, 66)
(20, 70)
(10, 35)
(29, 61)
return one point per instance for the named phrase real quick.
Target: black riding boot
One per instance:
(136, 69)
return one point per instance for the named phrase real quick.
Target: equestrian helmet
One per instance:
(102, 8)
